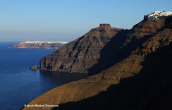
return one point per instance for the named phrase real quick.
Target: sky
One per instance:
(66, 20)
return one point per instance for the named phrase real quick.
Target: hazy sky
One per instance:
(66, 20)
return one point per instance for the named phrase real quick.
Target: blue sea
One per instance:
(18, 84)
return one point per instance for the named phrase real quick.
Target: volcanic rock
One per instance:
(34, 67)
(101, 47)
(140, 81)
(81, 54)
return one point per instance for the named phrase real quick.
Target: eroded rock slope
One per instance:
(101, 47)
(82, 53)
(142, 80)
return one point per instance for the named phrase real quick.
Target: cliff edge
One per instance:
(101, 47)
(81, 54)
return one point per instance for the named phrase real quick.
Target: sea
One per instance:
(18, 84)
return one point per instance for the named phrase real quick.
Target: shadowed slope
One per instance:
(144, 82)
(100, 48)
(141, 81)
(126, 41)
(138, 75)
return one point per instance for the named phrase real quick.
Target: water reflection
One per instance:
(62, 77)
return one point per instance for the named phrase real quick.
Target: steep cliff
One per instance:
(139, 81)
(82, 53)
(101, 47)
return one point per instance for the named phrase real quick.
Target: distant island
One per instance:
(40, 44)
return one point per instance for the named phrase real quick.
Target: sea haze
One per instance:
(18, 84)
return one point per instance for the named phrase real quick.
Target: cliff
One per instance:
(101, 47)
(138, 75)
(81, 54)
(39, 44)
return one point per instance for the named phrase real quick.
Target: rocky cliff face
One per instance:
(82, 53)
(101, 47)
(140, 80)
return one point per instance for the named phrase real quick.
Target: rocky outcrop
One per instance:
(101, 47)
(39, 44)
(139, 81)
(34, 67)
(82, 53)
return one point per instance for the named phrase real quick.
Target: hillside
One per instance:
(135, 73)
(101, 47)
